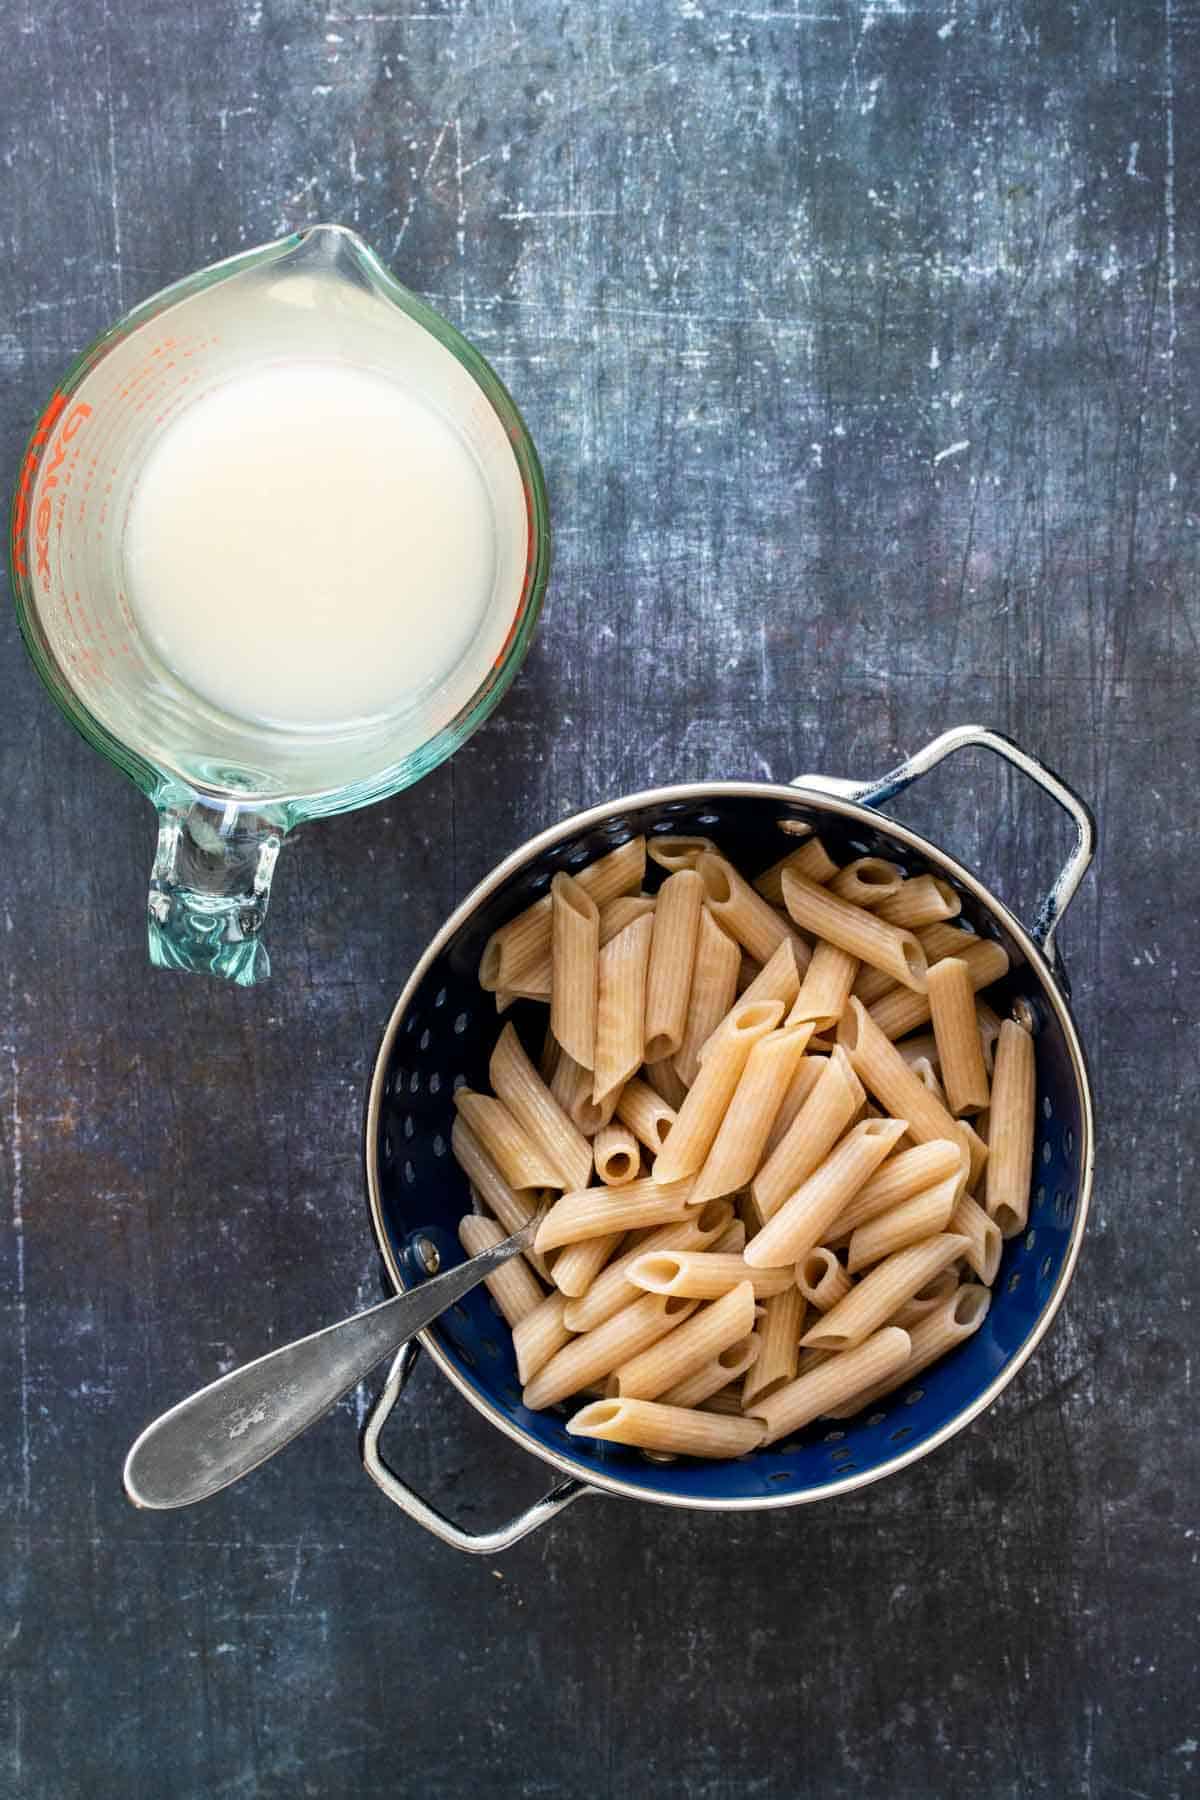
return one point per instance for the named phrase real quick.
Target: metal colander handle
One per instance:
(980, 737)
(477, 1543)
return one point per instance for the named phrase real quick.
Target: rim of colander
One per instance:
(787, 794)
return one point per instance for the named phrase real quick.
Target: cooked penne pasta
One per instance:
(548, 1060)
(525, 941)
(711, 1377)
(924, 1300)
(921, 900)
(571, 1086)
(832, 1383)
(732, 1240)
(1010, 1129)
(821, 1278)
(672, 957)
(576, 1267)
(539, 1336)
(618, 1155)
(831, 1106)
(513, 1286)
(745, 915)
(876, 1297)
(522, 1162)
(597, 1353)
(575, 956)
(748, 973)
(595, 1212)
(703, 1274)
(951, 1320)
(855, 930)
(611, 1290)
(513, 1207)
(741, 1138)
(811, 859)
(899, 1011)
(709, 1331)
(868, 881)
(884, 1073)
(924, 1216)
(726, 1401)
(779, 1353)
(622, 912)
(808, 1073)
(983, 1235)
(534, 983)
(672, 853)
(662, 1077)
(942, 939)
(956, 1032)
(780, 976)
(671, 1430)
(826, 987)
(922, 1048)
(621, 1008)
(989, 1023)
(714, 989)
(521, 1089)
(645, 1113)
(700, 1116)
(801, 1222)
(904, 1174)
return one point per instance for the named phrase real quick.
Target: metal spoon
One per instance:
(228, 1428)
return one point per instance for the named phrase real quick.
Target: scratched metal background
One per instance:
(860, 342)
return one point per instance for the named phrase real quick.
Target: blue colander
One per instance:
(441, 1034)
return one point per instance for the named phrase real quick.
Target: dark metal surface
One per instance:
(860, 344)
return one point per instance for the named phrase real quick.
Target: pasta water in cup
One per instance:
(279, 543)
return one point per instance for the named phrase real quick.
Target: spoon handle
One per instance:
(228, 1428)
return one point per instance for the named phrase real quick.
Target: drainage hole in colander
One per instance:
(425, 1040)
(709, 819)
(1014, 1281)
(833, 1437)
(435, 1083)
(1062, 1207)
(467, 1357)
(388, 1151)
(1039, 1199)
(1069, 1141)
(539, 884)
(459, 1081)
(1030, 1239)
(876, 1418)
(780, 1476)
(409, 1126)
(410, 1174)
(839, 1456)
(577, 859)
(1047, 1153)
(414, 1082)
(898, 1437)
(1047, 1108)
(461, 1023)
(1047, 1265)
(439, 999)
(659, 1456)
(410, 1024)
(439, 1145)
(913, 1395)
(847, 1468)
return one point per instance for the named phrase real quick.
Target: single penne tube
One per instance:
(970, 1220)
(597, 1353)
(952, 1319)
(811, 859)
(732, 1240)
(1010, 1129)
(904, 1174)
(622, 912)
(598, 1211)
(801, 1222)
(621, 1008)
(737, 1149)
(700, 1115)
(832, 1383)
(924, 1216)
(711, 1377)
(575, 957)
(828, 1112)
(539, 1336)
(645, 1113)
(924, 1300)
(513, 1286)
(867, 881)
(576, 1267)
(956, 1033)
(921, 900)
(922, 1067)
(522, 1090)
(671, 1430)
(922, 1047)
(709, 1331)
(977, 1152)
(522, 1161)
(714, 989)
(618, 1155)
(745, 915)
(665, 1082)
(885, 1074)
(672, 852)
(525, 941)
(779, 1339)
(875, 1298)
(726, 1401)
(989, 1023)
(781, 975)
(534, 983)
(513, 1207)
(703, 1274)
(571, 1085)
(901, 1011)
(808, 1073)
(943, 939)
(611, 1290)
(672, 956)
(855, 930)
(821, 1278)
(826, 987)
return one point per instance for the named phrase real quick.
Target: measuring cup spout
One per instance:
(210, 887)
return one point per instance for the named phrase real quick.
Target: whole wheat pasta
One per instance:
(534, 983)
(977, 1151)
(672, 852)
(703, 1274)
(811, 859)
(983, 1235)
(867, 881)
(622, 912)
(924, 1300)
(832, 1383)
(618, 1155)
(711, 1377)
(904, 1174)
(921, 900)
(548, 1058)
(1010, 1129)
(855, 930)
(780, 976)
(709, 1331)
(884, 1073)
(779, 1337)
(575, 956)
(519, 1086)
(621, 1008)
(989, 1023)
(571, 1085)
(663, 1078)
(513, 1286)
(808, 1073)
(521, 1161)
(672, 957)
(924, 1216)
(645, 1113)
(876, 1297)
(714, 989)
(744, 914)
(717, 1077)
(922, 1047)
(748, 973)
(726, 1401)
(826, 1114)
(954, 1318)
(539, 1336)
(956, 1031)
(943, 939)
(732, 1240)
(672, 1430)
(821, 1278)
(801, 1222)
(826, 986)
(611, 1290)
(525, 941)
(900, 1011)
(595, 1212)
(741, 1138)
(513, 1207)
(597, 1353)
(576, 1267)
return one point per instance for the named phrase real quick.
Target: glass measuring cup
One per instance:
(227, 788)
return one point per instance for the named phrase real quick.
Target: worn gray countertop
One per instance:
(860, 344)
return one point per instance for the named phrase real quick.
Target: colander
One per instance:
(441, 1034)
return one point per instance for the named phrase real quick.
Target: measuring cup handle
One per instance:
(209, 889)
